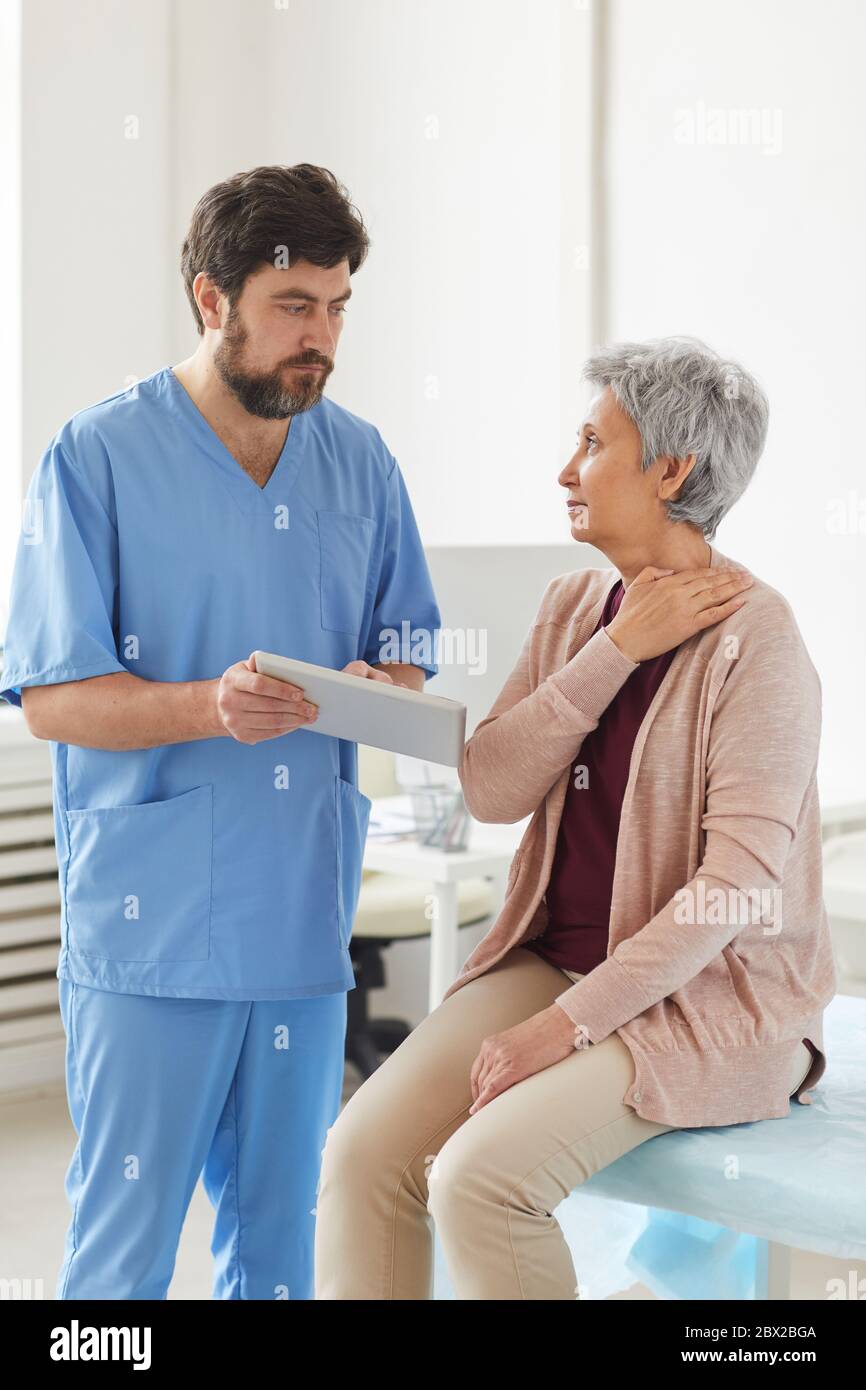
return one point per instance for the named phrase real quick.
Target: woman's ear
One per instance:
(674, 473)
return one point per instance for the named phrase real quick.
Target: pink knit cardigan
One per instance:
(719, 960)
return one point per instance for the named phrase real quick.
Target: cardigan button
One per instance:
(637, 1096)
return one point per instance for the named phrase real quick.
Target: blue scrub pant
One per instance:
(162, 1090)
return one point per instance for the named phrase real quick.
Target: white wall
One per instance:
(10, 323)
(96, 152)
(461, 132)
(760, 253)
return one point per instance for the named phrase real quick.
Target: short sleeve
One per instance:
(64, 583)
(404, 594)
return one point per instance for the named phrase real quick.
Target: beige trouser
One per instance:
(498, 1174)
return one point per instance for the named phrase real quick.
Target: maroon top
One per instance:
(579, 891)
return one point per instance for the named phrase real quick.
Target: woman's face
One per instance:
(610, 500)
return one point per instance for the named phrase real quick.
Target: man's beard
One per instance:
(265, 393)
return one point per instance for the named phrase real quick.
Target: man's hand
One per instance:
(509, 1057)
(252, 707)
(372, 673)
(406, 673)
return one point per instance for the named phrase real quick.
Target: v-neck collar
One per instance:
(245, 489)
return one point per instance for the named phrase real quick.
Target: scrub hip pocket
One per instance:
(352, 820)
(138, 882)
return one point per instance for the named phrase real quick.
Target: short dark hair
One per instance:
(240, 224)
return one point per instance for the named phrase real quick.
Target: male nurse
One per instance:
(209, 839)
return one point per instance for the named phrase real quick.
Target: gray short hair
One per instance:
(685, 399)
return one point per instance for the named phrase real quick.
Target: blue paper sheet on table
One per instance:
(799, 1181)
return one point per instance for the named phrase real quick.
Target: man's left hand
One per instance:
(376, 673)
(371, 673)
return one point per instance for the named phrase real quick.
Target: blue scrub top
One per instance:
(210, 869)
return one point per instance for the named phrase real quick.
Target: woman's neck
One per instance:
(680, 549)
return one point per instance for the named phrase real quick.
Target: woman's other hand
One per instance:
(508, 1057)
(661, 609)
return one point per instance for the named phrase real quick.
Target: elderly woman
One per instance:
(663, 955)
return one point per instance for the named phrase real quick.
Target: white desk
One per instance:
(491, 849)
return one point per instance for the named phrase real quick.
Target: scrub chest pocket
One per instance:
(138, 883)
(352, 819)
(345, 541)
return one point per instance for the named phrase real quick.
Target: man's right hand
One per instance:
(252, 707)
(661, 609)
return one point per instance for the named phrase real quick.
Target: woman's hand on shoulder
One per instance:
(662, 608)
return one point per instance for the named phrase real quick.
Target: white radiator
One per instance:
(32, 1042)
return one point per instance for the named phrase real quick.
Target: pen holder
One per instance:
(441, 816)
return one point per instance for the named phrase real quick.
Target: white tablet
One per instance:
(374, 712)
